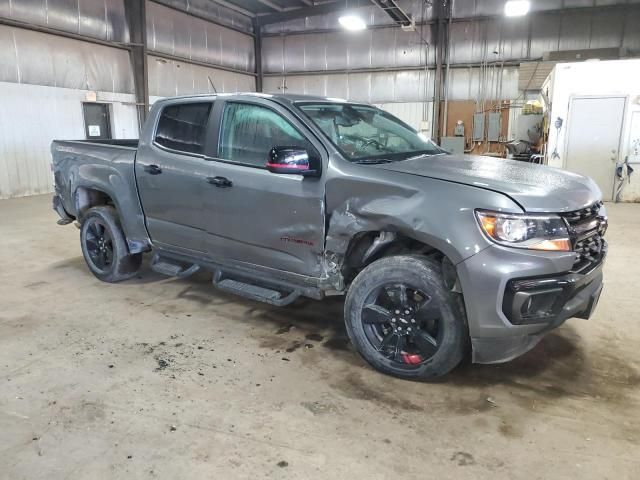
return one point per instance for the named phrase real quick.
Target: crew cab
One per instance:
(286, 196)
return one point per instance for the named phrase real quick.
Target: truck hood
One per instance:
(537, 188)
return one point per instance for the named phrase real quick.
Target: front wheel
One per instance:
(403, 320)
(104, 246)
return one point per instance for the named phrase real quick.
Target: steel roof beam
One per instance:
(316, 9)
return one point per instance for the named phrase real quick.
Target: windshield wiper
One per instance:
(373, 161)
(424, 153)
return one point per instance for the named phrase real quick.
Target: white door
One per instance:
(593, 139)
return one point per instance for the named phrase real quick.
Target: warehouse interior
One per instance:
(159, 377)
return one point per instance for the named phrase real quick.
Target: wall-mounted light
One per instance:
(352, 23)
(516, 8)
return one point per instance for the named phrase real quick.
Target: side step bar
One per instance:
(254, 292)
(167, 267)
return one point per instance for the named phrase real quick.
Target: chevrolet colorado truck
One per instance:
(285, 196)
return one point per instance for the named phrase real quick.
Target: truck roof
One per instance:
(282, 97)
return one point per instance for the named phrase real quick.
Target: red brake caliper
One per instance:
(411, 359)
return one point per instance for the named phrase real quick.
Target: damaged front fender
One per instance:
(437, 213)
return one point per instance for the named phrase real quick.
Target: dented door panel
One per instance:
(265, 219)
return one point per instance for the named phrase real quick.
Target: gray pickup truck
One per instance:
(283, 196)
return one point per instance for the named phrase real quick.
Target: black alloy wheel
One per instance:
(402, 323)
(99, 244)
(104, 246)
(404, 320)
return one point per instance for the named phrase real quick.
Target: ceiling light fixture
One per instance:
(516, 8)
(352, 23)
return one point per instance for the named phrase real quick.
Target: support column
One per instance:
(437, 90)
(257, 49)
(136, 15)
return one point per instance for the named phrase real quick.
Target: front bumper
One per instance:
(514, 297)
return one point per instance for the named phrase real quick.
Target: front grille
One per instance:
(586, 229)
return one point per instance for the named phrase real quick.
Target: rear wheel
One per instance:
(403, 319)
(104, 246)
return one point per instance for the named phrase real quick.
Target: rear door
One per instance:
(254, 216)
(170, 171)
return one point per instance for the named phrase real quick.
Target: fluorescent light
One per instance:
(516, 8)
(352, 22)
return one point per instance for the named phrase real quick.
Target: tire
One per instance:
(104, 246)
(426, 340)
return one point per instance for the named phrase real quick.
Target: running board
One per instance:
(166, 267)
(254, 292)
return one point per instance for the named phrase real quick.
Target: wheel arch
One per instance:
(86, 198)
(367, 246)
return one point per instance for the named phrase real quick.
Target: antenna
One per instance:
(212, 85)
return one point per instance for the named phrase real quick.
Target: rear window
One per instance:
(182, 127)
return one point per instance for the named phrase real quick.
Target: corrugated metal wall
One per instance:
(191, 38)
(101, 19)
(471, 41)
(31, 116)
(462, 9)
(169, 78)
(384, 47)
(372, 15)
(400, 86)
(412, 113)
(362, 87)
(41, 59)
(490, 39)
(44, 78)
(211, 11)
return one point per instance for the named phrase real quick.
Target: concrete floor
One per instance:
(163, 378)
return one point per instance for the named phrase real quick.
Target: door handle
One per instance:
(153, 169)
(221, 182)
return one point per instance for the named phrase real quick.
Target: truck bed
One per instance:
(121, 142)
(85, 168)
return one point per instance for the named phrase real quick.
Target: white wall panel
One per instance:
(170, 78)
(412, 113)
(400, 86)
(101, 19)
(32, 116)
(465, 83)
(388, 47)
(212, 11)
(42, 59)
(176, 33)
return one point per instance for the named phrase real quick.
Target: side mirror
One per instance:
(294, 160)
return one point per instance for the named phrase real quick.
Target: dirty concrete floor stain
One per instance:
(164, 378)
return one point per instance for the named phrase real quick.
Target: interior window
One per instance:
(249, 131)
(182, 127)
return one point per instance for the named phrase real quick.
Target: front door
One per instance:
(593, 139)
(257, 217)
(171, 173)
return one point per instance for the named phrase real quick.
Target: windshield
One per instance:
(364, 133)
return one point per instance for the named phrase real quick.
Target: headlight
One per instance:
(536, 232)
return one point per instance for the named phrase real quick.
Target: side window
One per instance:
(183, 127)
(250, 131)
